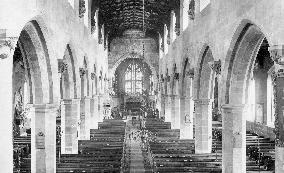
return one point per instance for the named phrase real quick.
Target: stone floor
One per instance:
(133, 147)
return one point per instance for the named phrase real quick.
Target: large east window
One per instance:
(133, 79)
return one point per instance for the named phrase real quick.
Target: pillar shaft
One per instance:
(70, 116)
(162, 111)
(278, 83)
(203, 128)
(234, 138)
(186, 118)
(100, 108)
(168, 103)
(277, 54)
(175, 112)
(85, 119)
(94, 113)
(43, 138)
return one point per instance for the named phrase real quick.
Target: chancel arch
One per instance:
(133, 78)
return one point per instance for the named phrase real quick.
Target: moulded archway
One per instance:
(38, 75)
(68, 78)
(133, 55)
(186, 101)
(203, 102)
(239, 65)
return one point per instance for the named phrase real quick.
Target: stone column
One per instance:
(277, 54)
(96, 113)
(186, 118)
(6, 128)
(162, 111)
(234, 138)
(85, 118)
(175, 112)
(100, 108)
(43, 138)
(93, 123)
(168, 103)
(203, 127)
(70, 116)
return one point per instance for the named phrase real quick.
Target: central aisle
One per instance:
(133, 145)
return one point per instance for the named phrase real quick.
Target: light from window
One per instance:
(133, 79)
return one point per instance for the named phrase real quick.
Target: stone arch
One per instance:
(166, 82)
(239, 61)
(69, 75)
(84, 73)
(41, 112)
(203, 102)
(34, 50)
(184, 86)
(95, 80)
(133, 55)
(175, 80)
(239, 64)
(204, 84)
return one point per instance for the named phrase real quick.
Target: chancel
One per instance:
(165, 86)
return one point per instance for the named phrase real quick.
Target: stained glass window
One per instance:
(133, 79)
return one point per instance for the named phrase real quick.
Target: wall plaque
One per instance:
(40, 140)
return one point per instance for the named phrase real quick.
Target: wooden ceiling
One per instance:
(120, 15)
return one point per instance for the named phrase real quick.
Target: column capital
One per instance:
(86, 98)
(82, 8)
(93, 76)
(191, 10)
(277, 54)
(82, 72)
(215, 66)
(234, 107)
(7, 46)
(203, 101)
(70, 101)
(62, 66)
(44, 107)
(276, 71)
(174, 96)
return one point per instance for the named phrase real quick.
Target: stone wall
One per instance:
(131, 46)
(215, 27)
